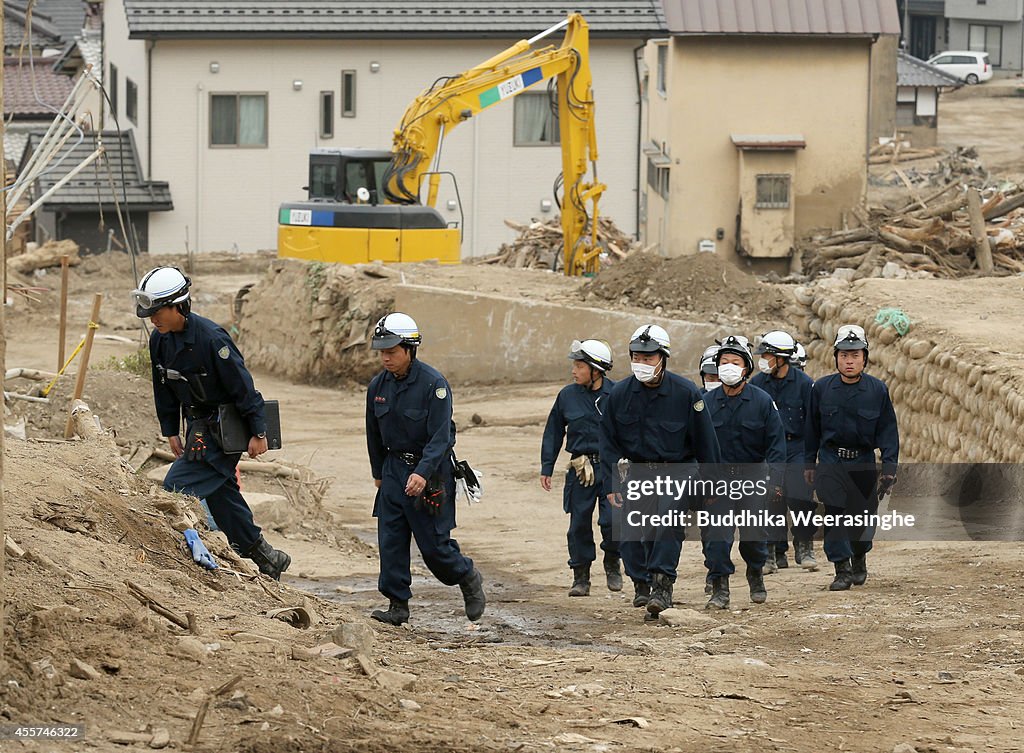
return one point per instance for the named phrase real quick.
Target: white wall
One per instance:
(231, 196)
(130, 59)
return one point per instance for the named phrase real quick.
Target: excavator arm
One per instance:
(419, 139)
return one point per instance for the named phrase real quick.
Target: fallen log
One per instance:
(1005, 207)
(47, 255)
(946, 208)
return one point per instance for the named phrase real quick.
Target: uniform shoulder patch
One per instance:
(698, 406)
(441, 392)
(224, 352)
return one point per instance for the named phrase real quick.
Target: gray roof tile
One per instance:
(91, 187)
(31, 91)
(44, 33)
(383, 18)
(911, 71)
(797, 17)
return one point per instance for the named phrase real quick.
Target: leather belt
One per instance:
(411, 459)
(848, 453)
(593, 456)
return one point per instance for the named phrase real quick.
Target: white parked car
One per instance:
(972, 67)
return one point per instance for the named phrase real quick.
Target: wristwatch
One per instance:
(261, 436)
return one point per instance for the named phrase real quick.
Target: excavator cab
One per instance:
(338, 174)
(346, 219)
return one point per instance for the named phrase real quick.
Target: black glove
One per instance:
(195, 441)
(885, 485)
(432, 498)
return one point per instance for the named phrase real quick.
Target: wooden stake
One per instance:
(63, 310)
(982, 251)
(83, 367)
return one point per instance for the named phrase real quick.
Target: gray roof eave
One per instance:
(398, 34)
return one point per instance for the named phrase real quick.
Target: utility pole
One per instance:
(3, 360)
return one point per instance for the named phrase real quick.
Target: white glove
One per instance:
(467, 481)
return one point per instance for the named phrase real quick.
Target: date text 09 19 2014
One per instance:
(42, 731)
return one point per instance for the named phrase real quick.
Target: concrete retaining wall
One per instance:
(474, 337)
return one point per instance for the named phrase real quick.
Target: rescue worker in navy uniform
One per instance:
(655, 416)
(576, 418)
(749, 432)
(790, 388)
(850, 415)
(709, 370)
(409, 437)
(196, 368)
(799, 360)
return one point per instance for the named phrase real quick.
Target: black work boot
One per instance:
(758, 593)
(641, 593)
(473, 594)
(396, 614)
(719, 593)
(709, 585)
(781, 560)
(844, 576)
(859, 569)
(270, 561)
(661, 595)
(612, 572)
(770, 568)
(580, 581)
(805, 555)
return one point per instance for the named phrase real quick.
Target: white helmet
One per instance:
(738, 345)
(160, 287)
(800, 356)
(777, 343)
(851, 337)
(650, 338)
(395, 329)
(593, 352)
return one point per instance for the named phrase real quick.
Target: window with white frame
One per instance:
(535, 120)
(663, 68)
(238, 119)
(772, 192)
(986, 39)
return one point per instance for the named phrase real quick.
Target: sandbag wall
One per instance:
(312, 322)
(953, 404)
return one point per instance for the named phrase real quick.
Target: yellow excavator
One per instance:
(366, 205)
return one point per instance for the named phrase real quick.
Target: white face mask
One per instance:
(762, 364)
(712, 386)
(643, 371)
(730, 374)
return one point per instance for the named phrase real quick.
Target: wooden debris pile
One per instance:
(954, 232)
(960, 165)
(539, 245)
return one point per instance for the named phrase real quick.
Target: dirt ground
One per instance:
(927, 654)
(987, 124)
